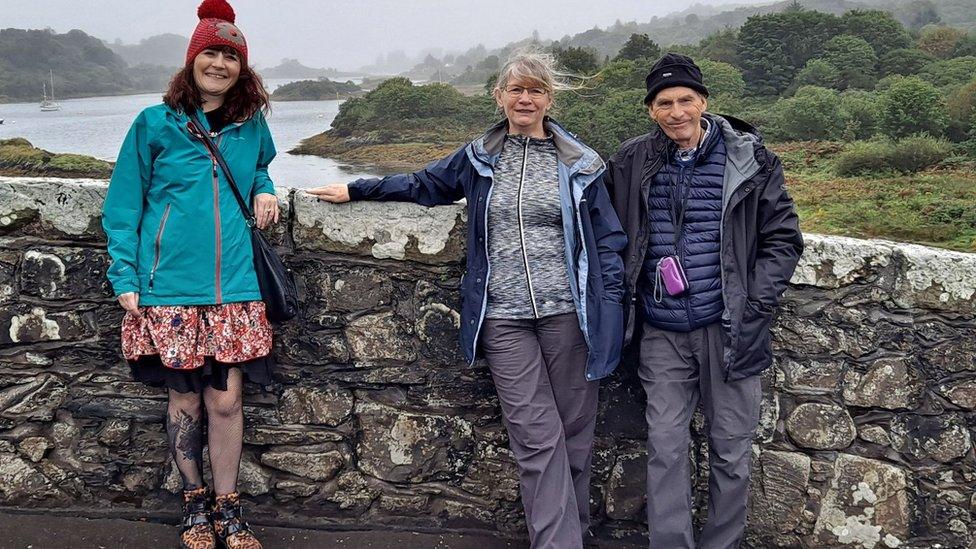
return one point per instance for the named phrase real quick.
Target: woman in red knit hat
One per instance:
(182, 264)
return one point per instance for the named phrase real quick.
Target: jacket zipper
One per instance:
(156, 246)
(217, 237)
(525, 256)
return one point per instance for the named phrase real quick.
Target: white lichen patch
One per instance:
(389, 227)
(834, 261)
(42, 257)
(954, 273)
(863, 492)
(35, 323)
(403, 436)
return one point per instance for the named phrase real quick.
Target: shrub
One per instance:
(810, 114)
(863, 158)
(860, 114)
(918, 152)
(909, 155)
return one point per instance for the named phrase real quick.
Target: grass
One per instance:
(18, 157)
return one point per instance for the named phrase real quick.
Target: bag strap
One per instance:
(196, 129)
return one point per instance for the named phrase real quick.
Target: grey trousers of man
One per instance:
(677, 370)
(549, 410)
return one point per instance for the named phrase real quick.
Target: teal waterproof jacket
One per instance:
(175, 232)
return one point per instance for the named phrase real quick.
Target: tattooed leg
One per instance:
(184, 425)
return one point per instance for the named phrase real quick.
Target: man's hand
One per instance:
(130, 302)
(265, 209)
(336, 193)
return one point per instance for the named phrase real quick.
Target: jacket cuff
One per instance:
(125, 286)
(355, 193)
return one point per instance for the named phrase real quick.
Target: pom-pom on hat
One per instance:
(216, 28)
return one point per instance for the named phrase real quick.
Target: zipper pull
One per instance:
(151, 276)
(214, 167)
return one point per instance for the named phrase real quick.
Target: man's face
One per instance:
(678, 111)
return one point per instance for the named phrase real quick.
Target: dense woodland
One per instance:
(874, 120)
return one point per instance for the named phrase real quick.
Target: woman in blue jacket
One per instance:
(541, 295)
(182, 264)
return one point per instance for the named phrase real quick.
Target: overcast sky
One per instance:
(342, 34)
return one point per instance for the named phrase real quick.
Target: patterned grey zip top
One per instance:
(526, 244)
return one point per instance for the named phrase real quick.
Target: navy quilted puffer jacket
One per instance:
(697, 182)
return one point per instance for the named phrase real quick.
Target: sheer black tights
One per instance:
(225, 431)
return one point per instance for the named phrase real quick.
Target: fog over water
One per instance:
(343, 34)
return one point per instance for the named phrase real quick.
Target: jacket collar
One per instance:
(571, 152)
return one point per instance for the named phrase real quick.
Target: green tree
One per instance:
(813, 113)
(605, 123)
(961, 106)
(773, 47)
(621, 74)
(818, 72)
(722, 46)
(877, 28)
(639, 46)
(721, 79)
(904, 61)
(576, 60)
(940, 41)
(949, 72)
(911, 105)
(854, 59)
(860, 114)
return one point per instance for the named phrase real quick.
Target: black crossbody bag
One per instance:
(275, 279)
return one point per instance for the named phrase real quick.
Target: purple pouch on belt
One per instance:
(670, 278)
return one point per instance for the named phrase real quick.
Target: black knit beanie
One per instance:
(672, 70)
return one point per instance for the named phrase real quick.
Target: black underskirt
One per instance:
(148, 369)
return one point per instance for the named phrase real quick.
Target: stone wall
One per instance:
(866, 436)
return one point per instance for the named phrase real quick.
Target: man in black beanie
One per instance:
(713, 241)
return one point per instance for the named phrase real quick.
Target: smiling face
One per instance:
(525, 103)
(678, 111)
(215, 71)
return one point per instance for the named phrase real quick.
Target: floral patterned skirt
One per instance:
(188, 348)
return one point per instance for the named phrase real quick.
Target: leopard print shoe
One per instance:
(230, 525)
(197, 532)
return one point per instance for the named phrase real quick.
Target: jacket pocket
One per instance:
(754, 342)
(157, 245)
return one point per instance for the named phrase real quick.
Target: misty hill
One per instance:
(82, 65)
(167, 50)
(692, 24)
(686, 27)
(292, 68)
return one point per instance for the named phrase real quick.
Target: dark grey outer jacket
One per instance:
(760, 235)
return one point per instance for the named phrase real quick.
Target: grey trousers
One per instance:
(549, 410)
(678, 369)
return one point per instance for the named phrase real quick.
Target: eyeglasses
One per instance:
(534, 93)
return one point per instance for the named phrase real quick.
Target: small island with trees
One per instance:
(315, 90)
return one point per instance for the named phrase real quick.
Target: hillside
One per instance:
(165, 50)
(82, 65)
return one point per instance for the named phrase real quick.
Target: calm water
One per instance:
(96, 126)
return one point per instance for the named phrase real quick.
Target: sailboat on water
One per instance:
(47, 104)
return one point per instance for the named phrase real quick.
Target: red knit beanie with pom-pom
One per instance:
(216, 28)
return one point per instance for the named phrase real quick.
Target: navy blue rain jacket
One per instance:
(594, 238)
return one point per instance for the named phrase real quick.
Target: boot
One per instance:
(196, 530)
(230, 525)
